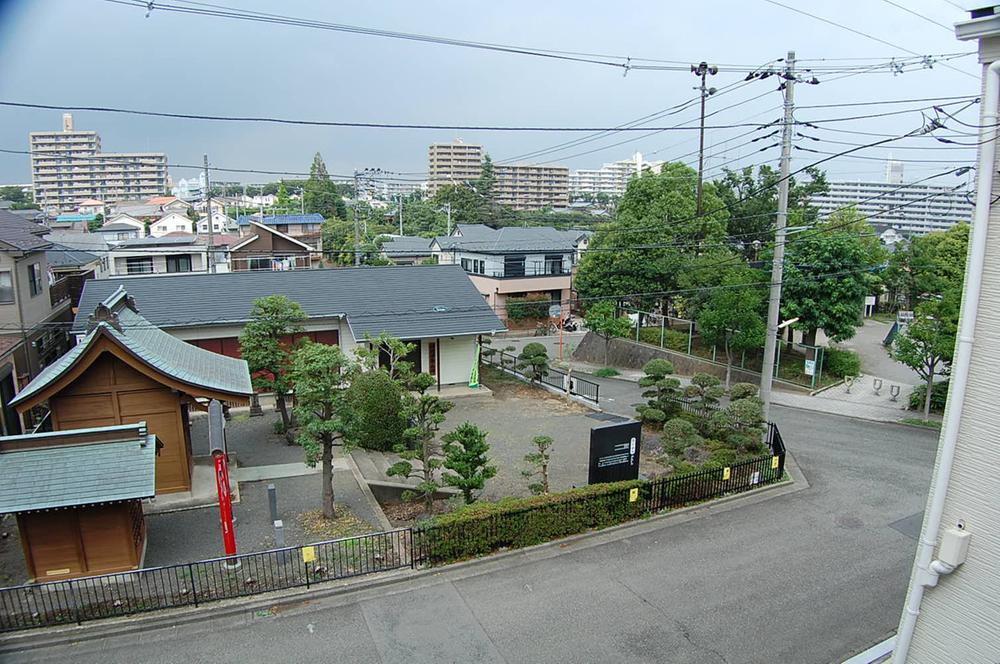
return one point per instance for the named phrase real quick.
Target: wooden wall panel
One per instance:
(107, 540)
(53, 544)
(82, 411)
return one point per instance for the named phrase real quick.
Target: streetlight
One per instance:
(703, 70)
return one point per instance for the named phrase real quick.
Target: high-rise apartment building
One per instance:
(525, 187)
(908, 209)
(452, 163)
(68, 166)
(610, 179)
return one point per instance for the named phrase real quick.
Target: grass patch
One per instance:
(607, 372)
(345, 524)
(242, 417)
(925, 424)
(489, 375)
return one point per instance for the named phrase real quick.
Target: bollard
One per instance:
(848, 382)
(272, 501)
(894, 392)
(877, 384)
(279, 533)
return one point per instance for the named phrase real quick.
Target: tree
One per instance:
(465, 451)
(375, 404)
(321, 194)
(927, 344)
(96, 223)
(425, 412)
(388, 352)
(534, 361)
(663, 392)
(602, 319)
(484, 185)
(828, 274)
(319, 372)
(282, 201)
(705, 390)
(539, 460)
(20, 199)
(273, 319)
(733, 316)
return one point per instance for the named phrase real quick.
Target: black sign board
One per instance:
(614, 452)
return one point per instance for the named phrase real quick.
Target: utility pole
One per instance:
(703, 70)
(447, 207)
(400, 196)
(778, 262)
(206, 196)
(357, 211)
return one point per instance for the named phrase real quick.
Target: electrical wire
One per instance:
(918, 15)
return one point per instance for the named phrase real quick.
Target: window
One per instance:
(553, 264)
(260, 263)
(513, 266)
(35, 279)
(479, 267)
(466, 265)
(6, 287)
(139, 265)
(180, 263)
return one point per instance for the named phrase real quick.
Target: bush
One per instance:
(375, 401)
(534, 361)
(679, 434)
(672, 339)
(840, 363)
(512, 523)
(532, 306)
(606, 372)
(938, 397)
(742, 391)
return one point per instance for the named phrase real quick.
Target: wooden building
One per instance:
(77, 496)
(127, 370)
(265, 248)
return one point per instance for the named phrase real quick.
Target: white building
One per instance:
(221, 223)
(610, 179)
(908, 209)
(171, 223)
(189, 189)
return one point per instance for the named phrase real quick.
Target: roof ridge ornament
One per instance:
(104, 314)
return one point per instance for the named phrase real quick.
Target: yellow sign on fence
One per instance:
(725, 473)
(308, 554)
(774, 462)
(633, 495)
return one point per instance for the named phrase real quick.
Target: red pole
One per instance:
(225, 502)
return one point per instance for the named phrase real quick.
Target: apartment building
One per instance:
(68, 166)
(610, 179)
(907, 209)
(449, 163)
(526, 187)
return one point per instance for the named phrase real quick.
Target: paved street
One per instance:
(810, 576)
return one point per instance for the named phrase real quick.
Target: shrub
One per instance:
(679, 434)
(839, 362)
(532, 306)
(606, 372)
(662, 393)
(484, 527)
(705, 391)
(672, 339)
(534, 361)
(743, 390)
(375, 401)
(938, 397)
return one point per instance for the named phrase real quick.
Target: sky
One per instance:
(95, 52)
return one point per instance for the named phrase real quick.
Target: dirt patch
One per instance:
(402, 515)
(344, 524)
(507, 387)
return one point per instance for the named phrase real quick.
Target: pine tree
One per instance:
(465, 451)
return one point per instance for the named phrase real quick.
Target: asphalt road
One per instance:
(809, 576)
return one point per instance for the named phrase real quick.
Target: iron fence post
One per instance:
(194, 584)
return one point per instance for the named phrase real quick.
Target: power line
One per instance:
(918, 15)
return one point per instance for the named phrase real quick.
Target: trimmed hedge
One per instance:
(840, 362)
(530, 307)
(672, 339)
(482, 528)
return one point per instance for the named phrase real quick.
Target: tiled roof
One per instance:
(82, 241)
(164, 352)
(405, 301)
(407, 246)
(282, 219)
(483, 239)
(68, 475)
(59, 255)
(115, 226)
(168, 240)
(20, 233)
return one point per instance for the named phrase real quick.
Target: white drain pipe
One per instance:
(926, 571)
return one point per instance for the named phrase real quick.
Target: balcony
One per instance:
(59, 292)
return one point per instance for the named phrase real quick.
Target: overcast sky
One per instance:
(92, 52)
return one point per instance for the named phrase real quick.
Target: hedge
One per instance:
(672, 339)
(482, 528)
(532, 306)
(840, 362)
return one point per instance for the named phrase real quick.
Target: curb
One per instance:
(287, 601)
(383, 521)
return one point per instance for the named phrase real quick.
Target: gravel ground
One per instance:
(252, 439)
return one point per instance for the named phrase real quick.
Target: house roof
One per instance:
(59, 256)
(163, 352)
(165, 200)
(168, 240)
(30, 215)
(274, 231)
(140, 210)
(281, 219)
(122, 467)
(405, 301)
(407, 246)
(483, 239)
(172, 216)
(115, 226)
(82, 241)
(21, 234)
(90, 202)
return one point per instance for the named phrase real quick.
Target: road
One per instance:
(810, 576)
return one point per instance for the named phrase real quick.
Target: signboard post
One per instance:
(614, 452)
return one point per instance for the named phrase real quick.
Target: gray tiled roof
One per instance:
(115, 226)
(405, 301)
(20, 233)
(82, 241)
(407, 246)
(70, 475)
(59, 255)
(162, 351)
(483, 239)
(164, 240)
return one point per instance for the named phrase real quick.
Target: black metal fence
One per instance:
(557, 378)
(192, 584)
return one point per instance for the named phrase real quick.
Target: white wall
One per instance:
(456, 359)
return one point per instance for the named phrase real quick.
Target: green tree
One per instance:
(603, 320)
(425, 413)
(465, 451)
(705, 391)
(375, 404)
(96, 223)
(927, 344)
(733, 316)
(388, 352)
(321, 194)
(828, 273)
(539, 461)
(663, 392)
(484, 185)
(319, 372)
(263, 344)
(282, 201)
(534, 361)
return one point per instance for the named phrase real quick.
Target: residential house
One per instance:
(93, 206)
(406, 250)
(31, 310)
(168, 204)
(514, 262)
(435, 307)
(73, 222)
(122, 227)
(295, 225)
(221, 223)
(173, 222)
(70, 268)
(266, 248)
(165, 255)
(139, 210)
